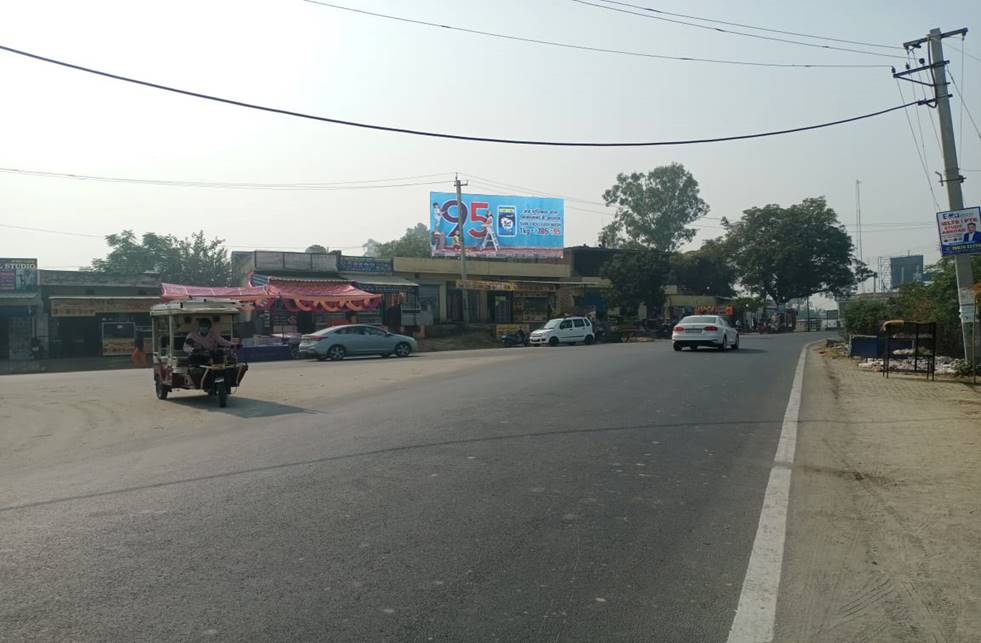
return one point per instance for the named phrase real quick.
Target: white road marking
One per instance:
(757, 609)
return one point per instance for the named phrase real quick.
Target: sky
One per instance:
(305, 57)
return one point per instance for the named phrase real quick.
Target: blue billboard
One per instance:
(496, 226)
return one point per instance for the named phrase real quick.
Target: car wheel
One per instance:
(336, 353)
(553, 341)
(724, 345)
(402, 349)
(676, 346)
(589, 340)
(735, 346)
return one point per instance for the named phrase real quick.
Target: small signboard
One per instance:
(960, 231)
(18, 275)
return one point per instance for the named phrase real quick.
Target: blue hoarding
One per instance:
(496, 226)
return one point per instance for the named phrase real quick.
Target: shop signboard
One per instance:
(960, 231)
(507, 286)
(496, 226)
(90, 307)
(18, 275)
(118, 338)
(372, 265)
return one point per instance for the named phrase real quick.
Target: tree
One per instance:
(316, 249)
(414, 243)
(637, 277)
(865, 317)
(706, 270)
(194, 260)
(653, 209)
(793, 253)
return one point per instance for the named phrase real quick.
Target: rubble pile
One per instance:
(943, 366)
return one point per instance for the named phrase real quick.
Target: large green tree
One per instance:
(637, 277)
(195, 260)
(706, 270)
(794, 252)
(653, 209)
(414, 243)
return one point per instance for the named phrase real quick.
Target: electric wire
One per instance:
(745, 26)
(919, 154)
(970, 114)
(732, 32)
(442, 135)
(566, 45)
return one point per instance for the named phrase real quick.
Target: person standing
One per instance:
(489, 235)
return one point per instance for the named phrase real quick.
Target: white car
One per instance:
(704, 330)
(564, 330)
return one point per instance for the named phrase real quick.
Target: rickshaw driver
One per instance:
(206, 339)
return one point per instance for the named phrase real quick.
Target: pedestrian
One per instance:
(138, 357)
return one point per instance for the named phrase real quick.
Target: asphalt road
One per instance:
(578, 493)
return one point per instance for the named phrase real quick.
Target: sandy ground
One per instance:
(884, 531)
(56, 417)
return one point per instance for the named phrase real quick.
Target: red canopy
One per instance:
(295, 295)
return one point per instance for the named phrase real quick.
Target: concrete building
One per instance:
(20, 307)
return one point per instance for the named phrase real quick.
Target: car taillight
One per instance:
(679, 329)
(309, 338)
(710, 327)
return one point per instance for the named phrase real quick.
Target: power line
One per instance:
(458, 137)
(965, 52)
(967, 109)
(745, 26)
(534, 191)
(916, 146)
(343, 185)
(566, 45)
(730, 31)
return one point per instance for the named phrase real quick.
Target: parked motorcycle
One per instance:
(514, 339)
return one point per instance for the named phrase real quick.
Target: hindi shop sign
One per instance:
(18, 275)
(496, 226)
(960, 231)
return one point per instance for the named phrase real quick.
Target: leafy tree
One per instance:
(653, 209)
(795, 252)
(706, 270)
(194, 260)
(414, 243)
(316, 249)
(865, 316)
(637, 277)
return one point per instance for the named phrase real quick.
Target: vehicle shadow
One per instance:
(741, 351)
(243, 407)
(365, 358)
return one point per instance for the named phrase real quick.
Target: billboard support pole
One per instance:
(952, 175)
(464, 294)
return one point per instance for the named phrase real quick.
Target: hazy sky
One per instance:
(300, 56)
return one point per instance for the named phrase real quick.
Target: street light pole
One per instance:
(461, 213)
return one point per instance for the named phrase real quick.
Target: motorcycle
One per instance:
(514, 339)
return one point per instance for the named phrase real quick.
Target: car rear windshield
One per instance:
(552, 323)
(699, 319)
(323, 331)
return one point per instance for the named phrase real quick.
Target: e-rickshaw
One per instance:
(216, 372)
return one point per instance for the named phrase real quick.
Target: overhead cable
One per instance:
(967, 109)
(566, 45)
(745, 26)
(370, 184)
(730, 31)
(916, 146)
(458, 137)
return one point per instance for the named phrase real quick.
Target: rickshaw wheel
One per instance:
(223, 396)
(161, 390)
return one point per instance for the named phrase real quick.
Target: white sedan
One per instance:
(704, 330)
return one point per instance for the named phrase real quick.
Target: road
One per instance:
(609, 492)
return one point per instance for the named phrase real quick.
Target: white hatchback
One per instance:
(704, 330)
(564, 330)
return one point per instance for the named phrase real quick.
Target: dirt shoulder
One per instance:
(884, 527)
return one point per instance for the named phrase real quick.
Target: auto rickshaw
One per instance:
(216, 372)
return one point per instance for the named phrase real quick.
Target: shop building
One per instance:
(93, 314)
(20, 307)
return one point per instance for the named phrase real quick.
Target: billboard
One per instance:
(903, 270)
(496, 226)
(960, 231)
(18, 275)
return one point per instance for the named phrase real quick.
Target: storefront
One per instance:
(20, 304)
(98, 326)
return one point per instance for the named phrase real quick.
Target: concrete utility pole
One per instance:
(858, 224)
(461, 213)
(952, 176)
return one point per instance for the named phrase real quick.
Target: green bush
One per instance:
(865, 317)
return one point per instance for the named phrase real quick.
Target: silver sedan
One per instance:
(338, 342)
(704, 330)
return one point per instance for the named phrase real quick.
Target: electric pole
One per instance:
(858, 223)
(461, 214)
(952, 176)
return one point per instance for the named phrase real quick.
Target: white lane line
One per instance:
(757, 609)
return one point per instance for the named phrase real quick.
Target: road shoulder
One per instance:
(882, 533)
